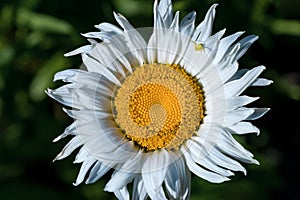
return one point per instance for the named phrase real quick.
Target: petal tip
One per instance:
(56, 139)
(256, 162)
(75, 184)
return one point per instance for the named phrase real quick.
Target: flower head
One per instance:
(156, 109)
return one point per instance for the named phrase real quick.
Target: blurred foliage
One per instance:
(34, 35)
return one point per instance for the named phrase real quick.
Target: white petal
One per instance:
(83, 49)
(195, 61)
(177, 180)
(127, 26)
(187, 24)
(107, 27)
(224, 45)
(154, 172)
(155, 14)
(175, 23)
(118, 181)
(228, 66)
(199, 171)
(235, 116)
(236, 87)
(94, 81)
(165, 11)
(73, 144)
(204, 29)
(112, 150)
(258, 113)
(193, 148)
(212, 42)
(139, 191)
(109, 56)
(81, 96)
(101, 139)
(262, 82)
(239, 101)
(122, 194)
(66, 75)
(98, 170)
(245, 44)
(225, 161)
(86, 165)
(68, 131)
(166, 46)
(104, 36)
(207, 137)
(231, 147)
(240, 73)
(244, 128)
(135, 41)
(227, 72)
(82, 156)
(88, 115)
(63, 99)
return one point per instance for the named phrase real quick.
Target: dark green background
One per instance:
(34, 34)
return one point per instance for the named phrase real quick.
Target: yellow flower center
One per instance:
(159, 106)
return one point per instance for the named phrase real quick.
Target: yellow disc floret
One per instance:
(159, 106)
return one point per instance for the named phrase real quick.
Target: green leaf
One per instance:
(42, 22)
(44, 76)
(285, 26)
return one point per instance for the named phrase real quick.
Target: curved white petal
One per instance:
(225, 161)
(244, 128)
(118, 181)
(212, 43)
(122, 194)
(231, 147)
(175, 23)
(262, 82)
(98, 170)
(258, 113)
(235, 116)
(224, 45)
(154, 172)
(82, 156)
(136, 43)
(139, 190)
(245, 44)
(205, 174)
(193, 148)
(239, 101)
(86, 165)
(83, 49)
(73, 144)
(187, 24)
(178, 180)
(107, 27)
(104, 36)
(204, 29)
(88, 115)
(166, 12)
(236, 87)
(68, 131)
(93, 81)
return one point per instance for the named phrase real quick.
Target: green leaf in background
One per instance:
(44, 76)
(285, 26)
(42, 22)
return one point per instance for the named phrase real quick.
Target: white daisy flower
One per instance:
(153, 105)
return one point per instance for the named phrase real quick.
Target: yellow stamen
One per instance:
(159, 106)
